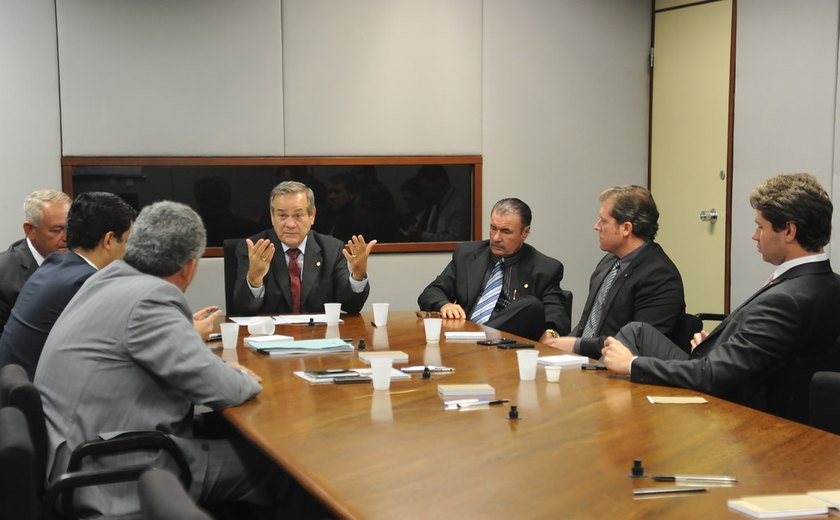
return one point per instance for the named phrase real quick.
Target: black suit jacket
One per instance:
(763, 353)
(16, 265)
(40, 303)
(650, 289)
(535, 274)
(325, 279)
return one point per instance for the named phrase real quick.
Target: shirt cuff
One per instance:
(630, 366)
(256, 292)
(358, 286)
(577, 345)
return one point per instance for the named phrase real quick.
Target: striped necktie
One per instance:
(487, 302)
(294, 278)
(594, 321)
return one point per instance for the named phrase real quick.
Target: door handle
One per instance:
(709, 216)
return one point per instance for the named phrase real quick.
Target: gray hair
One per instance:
(33, 205)
(290, 187)
(165, 237)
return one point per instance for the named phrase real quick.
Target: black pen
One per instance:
(657, 491)
(373, 323)
(480, 403)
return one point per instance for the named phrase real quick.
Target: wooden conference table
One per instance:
(399, 454)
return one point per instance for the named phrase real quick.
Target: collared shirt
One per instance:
(86, 259)
(790, 264)
(35, 254)
(356, 286)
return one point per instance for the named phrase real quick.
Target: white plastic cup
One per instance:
(381, 371)
(230, 335)
(333, 312)
(261, 326)
(552, 374)
(380, 314)
(432, 327)
(527, 364)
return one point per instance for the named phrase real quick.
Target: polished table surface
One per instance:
(399, 454)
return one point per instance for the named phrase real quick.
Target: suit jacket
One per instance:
(650, 289)
(462, 282)
(451, 219)
(16, 265)
(325, 279)
(39, 305)
(124, 356)
(762, 353)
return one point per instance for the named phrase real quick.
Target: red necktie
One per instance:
(294, 278)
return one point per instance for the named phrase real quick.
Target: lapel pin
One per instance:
(318, 263)
(526, 285)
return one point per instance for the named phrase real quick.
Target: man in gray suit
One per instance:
(45, 227)
(124, 356)
(764, 353)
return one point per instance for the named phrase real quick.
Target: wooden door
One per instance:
(690, 144)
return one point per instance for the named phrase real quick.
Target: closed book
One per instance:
(563, 360)
(396, 375)
(479, 389)
(397, 355)
(779, 506)
(830, 497)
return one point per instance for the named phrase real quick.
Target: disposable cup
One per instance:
(432, 327)
(552, 374)
(333, 312)
(262, 326)
(381, 371)
(527, 364)
(230, 334)
(380, 314)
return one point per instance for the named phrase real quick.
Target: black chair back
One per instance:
(824, 402)
(689, 326)
(231, 268)
(18, 391)
(17, 467)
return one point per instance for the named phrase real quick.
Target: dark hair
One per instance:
(800, 199)
(634, 204)
(95, 213)
(514, 205)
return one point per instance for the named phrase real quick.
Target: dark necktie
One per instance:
(294, 278)
(594, 321)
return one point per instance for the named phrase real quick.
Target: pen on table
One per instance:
(480, 403)
(373, 323)
(694, 478)
(658, 491)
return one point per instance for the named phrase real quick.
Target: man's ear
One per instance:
(108, 240)
(526, 231)
(627, 228)
(790, 231)
(28, 229)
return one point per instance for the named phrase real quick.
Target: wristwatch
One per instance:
(552, 333)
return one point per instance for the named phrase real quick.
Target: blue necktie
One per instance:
(594, 321)
(487, 302)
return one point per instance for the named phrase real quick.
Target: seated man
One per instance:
(311, 269)
(124, 356)
(98, 225)
(635, 281)
(45, 220)
(502, 282)
(756, 356)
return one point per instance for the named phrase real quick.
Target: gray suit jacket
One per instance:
(16, 265)
(124, 356)
(762, 354)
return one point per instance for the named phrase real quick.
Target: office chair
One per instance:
(163, 498)
(231, 268)
(689, 325)
(823, 405)
(17, 465)
(17, 391)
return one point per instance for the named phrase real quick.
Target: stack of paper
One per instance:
(563, 360)
(298, 347)
(783, 506)
(481, 389)
(301, 319)
(457, 334)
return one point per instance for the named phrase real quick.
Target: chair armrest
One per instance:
(66, 484)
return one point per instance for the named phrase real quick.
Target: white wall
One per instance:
(785, 96)
(30, 133)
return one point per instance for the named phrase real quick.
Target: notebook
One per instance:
(299, 347)
(779, 506)
(397, 355)
(563, 360)
(480, 389)
(396, 375)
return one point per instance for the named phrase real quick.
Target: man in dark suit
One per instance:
(502, 282)
(45, 221)
(98, 225)
(308, 270)
(763, 354)
(635, 281)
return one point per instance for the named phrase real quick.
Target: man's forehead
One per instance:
(290, 201)
(502, 220)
